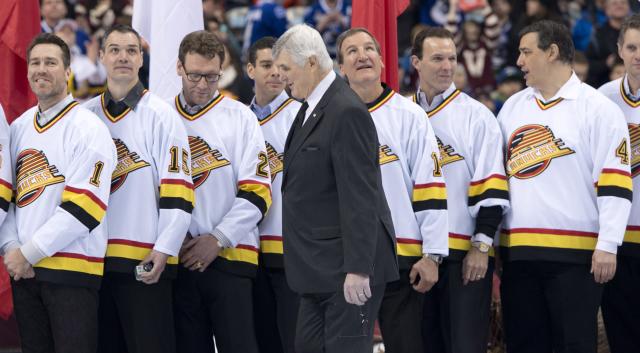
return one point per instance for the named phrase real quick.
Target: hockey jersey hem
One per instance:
(71, 278)
(236, 267)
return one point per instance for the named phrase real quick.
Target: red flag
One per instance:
(6, 299)
(380, 17)
(19, 23)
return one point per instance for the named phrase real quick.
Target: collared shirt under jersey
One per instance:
(318, 92)
(627, 89)
(196, 108)
(263, 112)
(436, 101)
(46, 116)
(130, 101)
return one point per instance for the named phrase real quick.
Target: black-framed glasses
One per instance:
(210, 78)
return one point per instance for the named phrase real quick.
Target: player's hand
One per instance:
(200, 252)
(427, 269)
(159, 261)
(474, 265)
(356, 288)
(603, 266)
(17, 265)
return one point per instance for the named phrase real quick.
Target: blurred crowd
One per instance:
(486, 32)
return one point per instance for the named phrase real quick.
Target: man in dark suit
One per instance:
(339, 250)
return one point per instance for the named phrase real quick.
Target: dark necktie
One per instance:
(297, 123)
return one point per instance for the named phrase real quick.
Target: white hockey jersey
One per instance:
(230, 169)
(411, 177)
(5, 167)
(275, 128)
(470, 145)
(567, 162)
(618, 91)
(62, 179)
(151, 187)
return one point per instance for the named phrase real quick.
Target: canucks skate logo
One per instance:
(276, 164)
(387, 155)
(448, 154)
(204, 159)
(634, 133)
(33, 175)
(127, 162)
(531, 149)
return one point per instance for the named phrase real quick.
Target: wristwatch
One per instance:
(482, 247)
(434, 257)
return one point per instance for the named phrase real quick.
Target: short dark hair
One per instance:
(580, 58)
(631, 22)
(49, 38)
(262, 43)
(551, 32)
(204, 43)
(429, 32)
(350, 32)
(120, 28)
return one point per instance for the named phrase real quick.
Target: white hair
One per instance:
(303, 42)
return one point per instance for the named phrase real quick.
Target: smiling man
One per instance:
(55, 240)
(567, 160)
(230, 168)
(413, 184)
(151, 198)
(339, 244)
(619, 305)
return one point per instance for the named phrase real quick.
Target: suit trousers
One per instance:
(328, 324)
(400, 316)
(276, 311)
(55, 318)
(621, 308)
(456, 317)
(214, 303)
(550, 307)
(135, 317)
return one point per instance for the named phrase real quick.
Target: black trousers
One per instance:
(135, 317)
(214, 303)
(621, 307)
(456, 317)
(276, 311)
(400, 317)
(328, 324)
(55, 318)
(549, 307)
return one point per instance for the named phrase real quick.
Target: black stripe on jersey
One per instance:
(80, 214)
(255, 199)
(126, 267)
(616, 191)
(4, 204)
(489, 194)
(176, 203)
(71, 278)
(433, 204)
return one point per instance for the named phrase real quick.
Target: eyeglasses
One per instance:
(210, 78)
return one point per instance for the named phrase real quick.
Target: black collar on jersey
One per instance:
(129, 102)
(387, 92)
(50, 123)
(201, 112)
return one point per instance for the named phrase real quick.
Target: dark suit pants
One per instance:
(621, 307)
(276, 311)
(328, 324)
(55, 318)
(400, 317)
(211, 303)
(550, 307)
(135, 317)
(456, 317)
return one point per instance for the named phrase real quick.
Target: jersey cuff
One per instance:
(224, 241)
(481, 237)
(32, 253)
(10, 245)
(608, 246)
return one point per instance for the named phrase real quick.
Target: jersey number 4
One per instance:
(622, 152)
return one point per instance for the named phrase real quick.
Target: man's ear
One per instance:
(251, 71)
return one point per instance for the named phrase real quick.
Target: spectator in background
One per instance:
(267, 18)
(509, 82)
(502, 9)
(54, 11)
(592, 16)
(460, 78)
(602, 51)
(221, 29)
(233, 82)
(330, 18)
(581, 66)
(618, 70)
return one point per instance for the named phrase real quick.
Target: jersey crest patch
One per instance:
(33, 175)
(127, 162)
(387, 155)
(448, 154)
(276, 161)
(634, 134)
(204, 159)
(531, 149)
